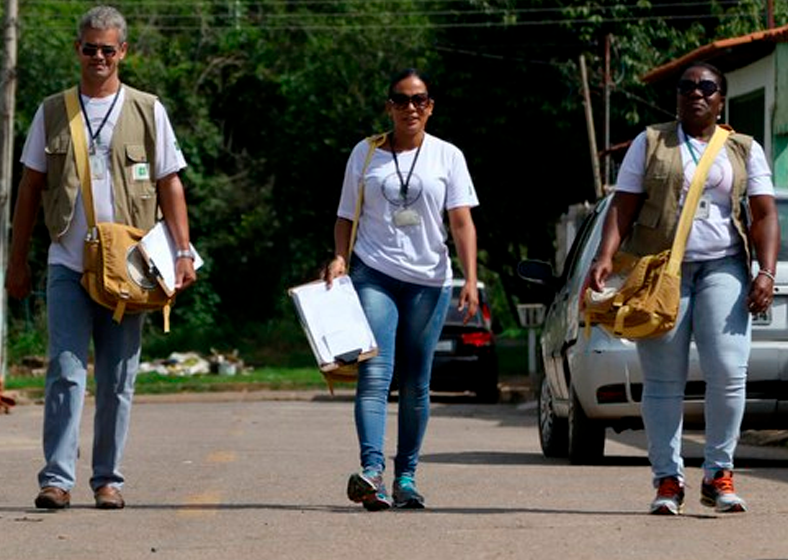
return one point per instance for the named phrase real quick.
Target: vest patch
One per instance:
(141, 172)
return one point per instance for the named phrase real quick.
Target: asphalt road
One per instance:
(245, 477)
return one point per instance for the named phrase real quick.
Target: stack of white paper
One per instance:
(333, 319)
(159, 250)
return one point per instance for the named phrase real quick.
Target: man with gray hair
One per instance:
(134, 162)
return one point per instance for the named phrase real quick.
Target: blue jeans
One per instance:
(406, 320)
(713, 311)
(73, 318)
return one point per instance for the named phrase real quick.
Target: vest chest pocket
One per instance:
(142, 190)
(649, 215)
(138, 166)
(56, 151)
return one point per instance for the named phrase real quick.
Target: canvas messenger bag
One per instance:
(116, 273)
(642, 294)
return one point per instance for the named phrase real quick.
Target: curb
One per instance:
(510, 393)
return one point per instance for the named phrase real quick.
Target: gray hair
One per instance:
(103, 18)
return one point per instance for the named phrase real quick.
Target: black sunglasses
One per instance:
(401, 101)
(89, 49)
(706, 87)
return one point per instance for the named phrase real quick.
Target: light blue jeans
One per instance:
(406, 320)
(73, 319)
(713, 311)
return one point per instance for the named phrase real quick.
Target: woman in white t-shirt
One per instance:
(402, 271)
(717, 291)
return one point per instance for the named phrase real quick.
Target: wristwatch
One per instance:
(184, 254)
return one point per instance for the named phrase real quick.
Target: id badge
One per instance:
(704, 208)
(98, 167)
(406, 217)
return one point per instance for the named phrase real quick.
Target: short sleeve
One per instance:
(34, 151)
(461, 191)
(169, 158)
(633, 168)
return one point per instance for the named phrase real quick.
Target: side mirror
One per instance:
(536, 272)
(539, 275)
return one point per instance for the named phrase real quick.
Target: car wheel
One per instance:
(553, 431)
(586, 436)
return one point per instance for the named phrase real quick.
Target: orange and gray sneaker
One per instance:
(719, 494)
(670, 497)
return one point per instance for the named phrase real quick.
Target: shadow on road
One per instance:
(185, 508)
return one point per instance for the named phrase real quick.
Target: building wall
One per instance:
(746, 80)
(780, 118)
(771, 74)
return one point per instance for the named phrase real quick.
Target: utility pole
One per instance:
(770, 14)
(7, 104)
(606, 176)
(591, 129)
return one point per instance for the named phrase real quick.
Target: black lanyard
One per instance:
(103, 121)
(403, 184)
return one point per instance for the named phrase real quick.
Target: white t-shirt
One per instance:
(712, 235)
(169, 159)
(405, 236)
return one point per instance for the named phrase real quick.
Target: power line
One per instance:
(235, 10)
(244, 26)
(487, 11)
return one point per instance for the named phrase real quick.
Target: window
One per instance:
(746, 114)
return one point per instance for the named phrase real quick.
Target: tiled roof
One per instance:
(725, 54)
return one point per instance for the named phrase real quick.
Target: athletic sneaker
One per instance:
(719, 494)
(367, 488)
(670, 497)
(405, 494)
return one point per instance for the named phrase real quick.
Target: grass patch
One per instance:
(264, 378)
(512, 358)
(154, 383)
(288, 365)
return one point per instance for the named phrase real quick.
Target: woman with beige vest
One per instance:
(718, 291)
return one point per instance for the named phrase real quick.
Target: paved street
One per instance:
(242, 476)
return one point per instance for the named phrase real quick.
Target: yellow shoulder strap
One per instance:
(375, 142)
(77, 128)
(693, 196)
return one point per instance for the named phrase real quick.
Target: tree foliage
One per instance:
(268, 97)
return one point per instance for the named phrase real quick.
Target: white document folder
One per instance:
(334, 322)
(159, 250)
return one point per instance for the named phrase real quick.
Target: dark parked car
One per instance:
(590, 383)
(466, 359)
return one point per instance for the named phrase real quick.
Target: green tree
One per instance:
(269, 96)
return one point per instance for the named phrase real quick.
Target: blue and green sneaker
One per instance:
(368, 489)
(405, 494)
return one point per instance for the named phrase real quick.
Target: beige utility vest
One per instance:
(656, 224)
(133, 143)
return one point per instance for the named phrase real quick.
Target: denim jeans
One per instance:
(713, 311)
(73, 318)
(406, 320)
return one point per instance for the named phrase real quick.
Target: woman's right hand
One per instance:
(335, 267)
(600, 270)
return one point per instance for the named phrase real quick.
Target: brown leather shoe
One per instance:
(109, 497)
(52, 497)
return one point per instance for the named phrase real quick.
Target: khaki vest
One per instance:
(656, 224)
(133, 142)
